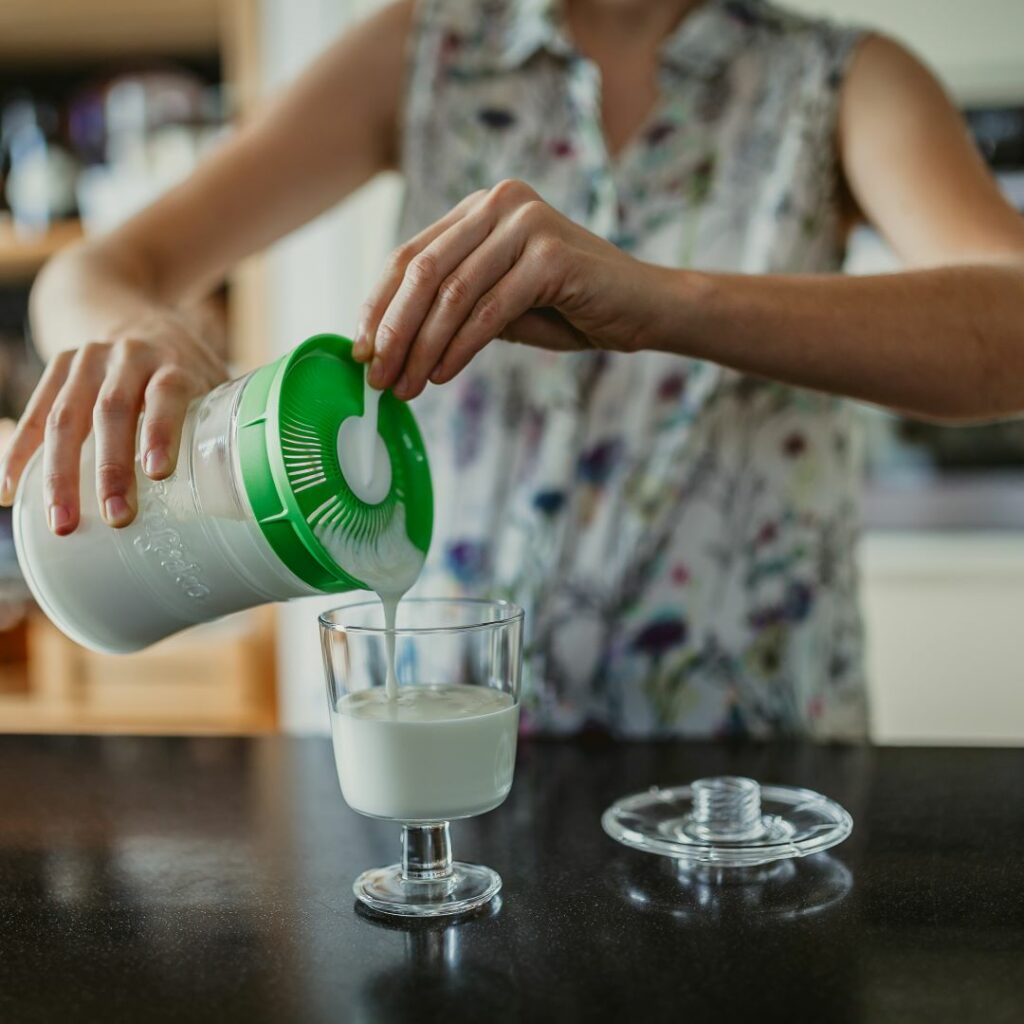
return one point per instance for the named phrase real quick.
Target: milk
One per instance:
(432, 753)
(229, 529)
(425, 752)
(388, 563)
(192, 554)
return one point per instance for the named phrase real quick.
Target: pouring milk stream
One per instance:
(391, 565)
(404, 754)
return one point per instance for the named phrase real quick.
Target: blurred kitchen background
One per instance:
(105, 103)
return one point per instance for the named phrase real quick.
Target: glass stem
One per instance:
(426, 852)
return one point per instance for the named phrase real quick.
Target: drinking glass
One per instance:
(439, 746)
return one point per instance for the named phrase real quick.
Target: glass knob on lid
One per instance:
(335, 529)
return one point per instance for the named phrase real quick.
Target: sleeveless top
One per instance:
(680, 536)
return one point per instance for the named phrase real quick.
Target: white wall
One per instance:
(318, 277)
(977, 46)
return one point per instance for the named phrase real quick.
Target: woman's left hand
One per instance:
(500, 264)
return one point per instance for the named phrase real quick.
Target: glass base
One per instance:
(467, 887)
(727, 823)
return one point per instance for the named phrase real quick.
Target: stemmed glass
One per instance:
(438, 746)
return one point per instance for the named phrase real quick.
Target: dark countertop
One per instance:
(209, 879)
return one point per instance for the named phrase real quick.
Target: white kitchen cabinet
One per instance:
(945, 619)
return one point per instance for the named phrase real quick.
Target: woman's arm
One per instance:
(326, 135)
(945, 340)
(113, 299)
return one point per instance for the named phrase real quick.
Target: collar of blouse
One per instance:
(702, 45)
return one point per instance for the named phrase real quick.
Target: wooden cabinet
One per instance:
(214, 678)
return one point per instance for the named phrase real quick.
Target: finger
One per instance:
(385, 288)
(512, 296)
(67, 426)
(28, 435)
(448, 274)
(115, 423)
(454, 304)
(166, 401)
(519, 241)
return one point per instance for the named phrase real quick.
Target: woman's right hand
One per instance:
(153, 368)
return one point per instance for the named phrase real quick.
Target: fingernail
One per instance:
(156, 461)
(439, 376)
(115, 509)
(59, 518)
(402, 387)
(361, 347)
(6, 491)
(377, 372)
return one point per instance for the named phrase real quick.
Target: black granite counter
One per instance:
(209, 880)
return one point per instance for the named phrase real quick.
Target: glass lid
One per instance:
(728, 821)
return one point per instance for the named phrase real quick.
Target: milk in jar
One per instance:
(257, 510)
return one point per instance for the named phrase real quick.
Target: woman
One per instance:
(661, 187)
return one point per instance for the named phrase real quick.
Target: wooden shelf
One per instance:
(21, 255)
(47, 31)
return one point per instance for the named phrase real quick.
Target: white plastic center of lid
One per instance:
(370, 484)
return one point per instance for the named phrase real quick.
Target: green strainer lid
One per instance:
(289, 416)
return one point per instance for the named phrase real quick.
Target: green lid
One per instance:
(288, 421)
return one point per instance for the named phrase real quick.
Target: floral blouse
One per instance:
(681, 536)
